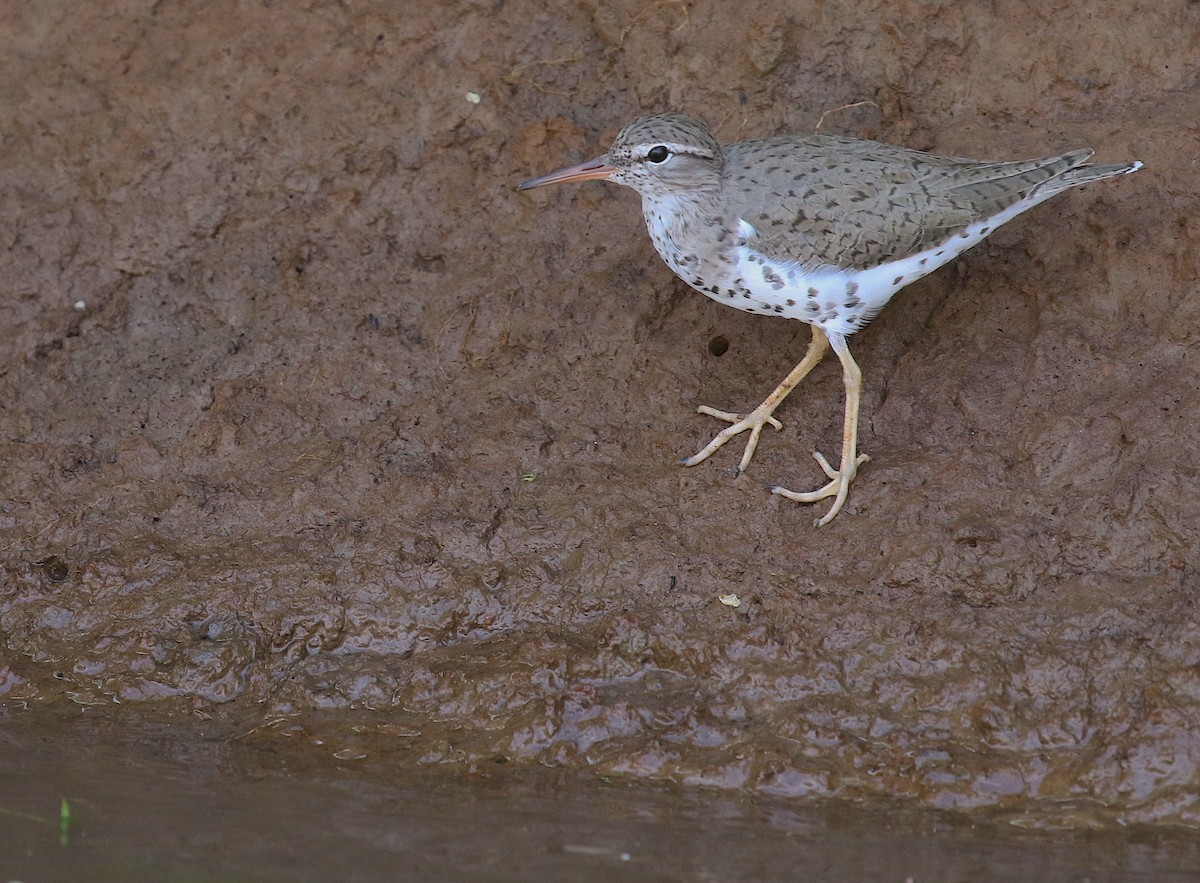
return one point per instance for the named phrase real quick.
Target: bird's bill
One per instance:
(585, 171)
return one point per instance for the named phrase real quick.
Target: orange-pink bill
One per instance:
(585, 171)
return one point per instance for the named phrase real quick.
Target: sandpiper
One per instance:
(821, 229)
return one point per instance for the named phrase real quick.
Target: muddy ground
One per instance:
(314, 430)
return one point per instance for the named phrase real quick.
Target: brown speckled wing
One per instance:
(853, 204)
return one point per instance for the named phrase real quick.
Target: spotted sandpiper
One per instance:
(821, 229)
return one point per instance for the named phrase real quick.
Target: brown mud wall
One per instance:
(310, 422)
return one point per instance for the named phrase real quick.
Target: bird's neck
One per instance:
(686, 229)
(682, 214)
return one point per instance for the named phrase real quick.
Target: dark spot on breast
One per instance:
(897, 280)
(812, 292)
(791, 302)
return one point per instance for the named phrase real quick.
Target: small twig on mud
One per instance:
(471, 305)
(516, 76)
(51, 525)
(737, 135)
(646, 11)
(821, 121)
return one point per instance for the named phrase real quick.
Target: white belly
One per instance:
(844, 300)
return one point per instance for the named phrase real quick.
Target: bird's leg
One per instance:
(760, 416)
(839, 479)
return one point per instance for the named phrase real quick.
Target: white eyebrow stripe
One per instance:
(688, 149)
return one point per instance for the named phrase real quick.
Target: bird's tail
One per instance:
(1081, 175)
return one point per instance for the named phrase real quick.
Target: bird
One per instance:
(820, 228)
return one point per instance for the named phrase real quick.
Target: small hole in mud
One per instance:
(718, 345)
(53, 568)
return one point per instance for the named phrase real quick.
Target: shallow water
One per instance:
(177, 804)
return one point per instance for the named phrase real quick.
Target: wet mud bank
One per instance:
(311, 423)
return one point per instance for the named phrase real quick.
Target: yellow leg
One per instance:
(839, 479)
(760, 416)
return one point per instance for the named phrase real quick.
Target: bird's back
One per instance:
(854, 204)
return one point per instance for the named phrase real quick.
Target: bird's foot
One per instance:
(838, 487)
(754, 422)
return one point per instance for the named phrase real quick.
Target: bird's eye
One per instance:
(658, 154)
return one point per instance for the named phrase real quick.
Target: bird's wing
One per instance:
(848, 204)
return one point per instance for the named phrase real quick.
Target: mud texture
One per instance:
(309, 422)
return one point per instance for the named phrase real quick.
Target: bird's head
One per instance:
(657, 155)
